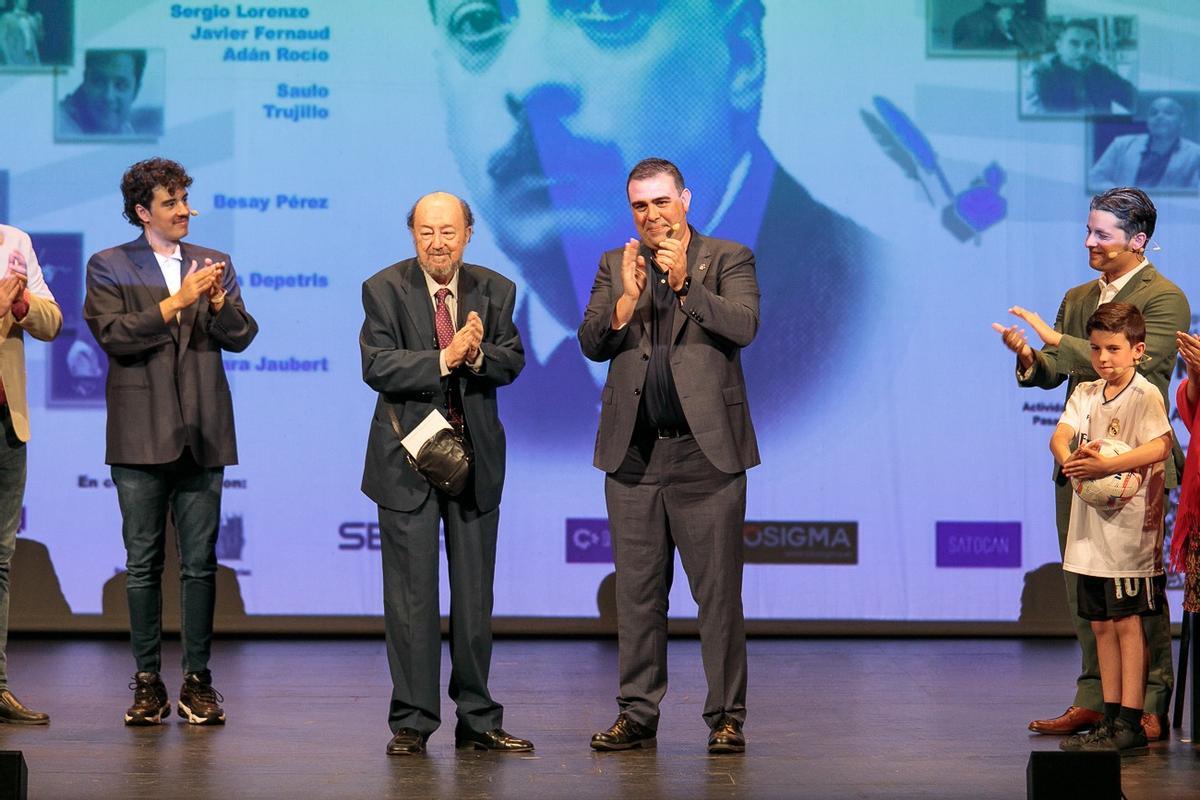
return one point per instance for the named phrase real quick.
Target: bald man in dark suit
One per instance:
(439, 334)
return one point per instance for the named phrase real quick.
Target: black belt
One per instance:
(648, 432)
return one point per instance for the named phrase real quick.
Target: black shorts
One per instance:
(1113, 598)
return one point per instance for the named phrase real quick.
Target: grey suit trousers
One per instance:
(665, 495)
(412, 620)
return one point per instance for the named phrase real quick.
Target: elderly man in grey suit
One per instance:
(439, 334)
(670, 312)
(163, 312)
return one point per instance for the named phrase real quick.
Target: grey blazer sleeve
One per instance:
(730, 312)
(597, 339)
(387, 365)
(232, 327)
(118, 331)
(503, 353)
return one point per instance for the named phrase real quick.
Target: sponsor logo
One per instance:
(588, 542)
(801, 542)
(357, 535)
(979, 544)
(231, 538)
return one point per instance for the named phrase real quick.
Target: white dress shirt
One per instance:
(1108, 291)
(172, 270)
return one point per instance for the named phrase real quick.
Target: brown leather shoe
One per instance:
(495, 739)
(727, 737)
(1155, 727)
(625, 734)
(13, 712)
(1073, 720)
(406, 742)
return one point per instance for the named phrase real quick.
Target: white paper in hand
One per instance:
(424, 432)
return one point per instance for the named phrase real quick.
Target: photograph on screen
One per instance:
(532, 167)
(1158, 148)
(1089, 68)
(112, 94)
(36, 34)
(986, 27)
(77, 368)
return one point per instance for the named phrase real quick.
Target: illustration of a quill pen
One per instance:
(913, 140)
(895, 150)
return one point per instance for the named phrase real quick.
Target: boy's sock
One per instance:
(1132, 717)
(1111, 710)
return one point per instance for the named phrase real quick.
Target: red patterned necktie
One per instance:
(445, 335)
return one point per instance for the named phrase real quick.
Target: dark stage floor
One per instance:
(828, 719)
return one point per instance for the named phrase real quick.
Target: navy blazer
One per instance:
(718, 318)
(166, 384)
(401, 361)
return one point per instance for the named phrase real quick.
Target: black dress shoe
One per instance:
(625, 734)
(727, 737)
(406, 742)
(13, 712)
(495, 739)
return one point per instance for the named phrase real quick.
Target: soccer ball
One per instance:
(1111, 491)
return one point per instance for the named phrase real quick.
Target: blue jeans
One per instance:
(12, 494)
(193, 495)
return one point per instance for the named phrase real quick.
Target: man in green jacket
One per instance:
(1120, 223)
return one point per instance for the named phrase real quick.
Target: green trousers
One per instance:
(1160, 679)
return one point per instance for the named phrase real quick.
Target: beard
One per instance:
(438, 273)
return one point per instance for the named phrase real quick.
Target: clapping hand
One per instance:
(465, 345)
(672, 257)
(197, 283)
(216, 292)
(16, 264)
(12, 285)
(1045, 332)
(475, 324)
(633, 283)
(1014, 339)
(1189, 351)
(633, 271)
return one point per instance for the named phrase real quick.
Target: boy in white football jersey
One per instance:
(1116, 551)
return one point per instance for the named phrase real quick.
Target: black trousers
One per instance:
(409, 543)
(666, 495)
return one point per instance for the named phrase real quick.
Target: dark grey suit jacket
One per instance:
(166, 383)
(718, 318)
(400, 360)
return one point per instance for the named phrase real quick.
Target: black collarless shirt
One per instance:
(660, 407)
